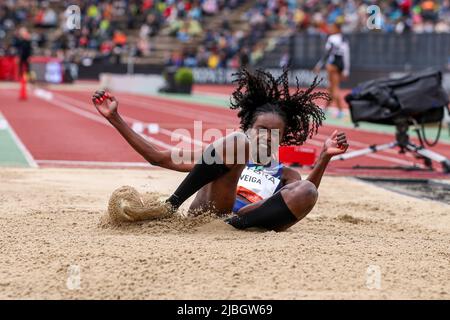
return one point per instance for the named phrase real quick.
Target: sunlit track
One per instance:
(93, 164)
(313, 141)
(91, 116)
(181, 111)
(208, 117)
(94, 141)
(131, 120)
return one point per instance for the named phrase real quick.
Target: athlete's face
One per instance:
(267, 126)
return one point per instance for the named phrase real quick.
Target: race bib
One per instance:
(255, 185)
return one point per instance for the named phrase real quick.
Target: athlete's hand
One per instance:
(335, 144)
(105, 103)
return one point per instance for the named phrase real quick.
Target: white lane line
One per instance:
(95, 163)
(180, 111)
(172, 134)
(26, 153)
(88, 115)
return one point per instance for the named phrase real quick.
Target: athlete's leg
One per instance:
(335, 82)
(216, 175)
(285, 208)
(220, 194)
(330, 86)
(337, 90)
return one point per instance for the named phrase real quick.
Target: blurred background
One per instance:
(211, 36)
(54, 54)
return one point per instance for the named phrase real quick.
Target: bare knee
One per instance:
(306, 190)
(301, 197)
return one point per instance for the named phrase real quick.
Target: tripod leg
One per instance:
(429, 155)
(446, 166)
(362, 152)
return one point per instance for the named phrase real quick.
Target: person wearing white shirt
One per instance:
(337, 64)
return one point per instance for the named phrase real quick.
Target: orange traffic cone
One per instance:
(23, 88)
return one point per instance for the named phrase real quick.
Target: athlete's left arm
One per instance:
(336, 144)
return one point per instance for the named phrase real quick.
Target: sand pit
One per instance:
(55, 244)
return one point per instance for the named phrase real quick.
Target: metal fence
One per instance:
(375, 51)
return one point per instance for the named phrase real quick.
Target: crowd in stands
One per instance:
(227, 48)
(219, 49)
(315, 16)
(111, 29)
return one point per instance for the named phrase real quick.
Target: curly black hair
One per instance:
(259, 92)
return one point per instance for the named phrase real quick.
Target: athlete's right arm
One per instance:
(107, 106)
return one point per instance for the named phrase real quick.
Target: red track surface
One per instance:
(68, 128)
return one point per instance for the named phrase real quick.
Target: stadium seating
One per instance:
(213, 33)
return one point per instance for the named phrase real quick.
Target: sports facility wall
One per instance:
(369, 52)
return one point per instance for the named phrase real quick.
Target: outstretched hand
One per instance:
(335, 144)
(105, 103)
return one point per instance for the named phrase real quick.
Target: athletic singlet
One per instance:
(256, 183)
(338, 52)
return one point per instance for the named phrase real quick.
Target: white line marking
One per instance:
(179, 111)
(166, 132)
(44, 94)
(74, 109)
(31, 162)
(3, 124)
(96, 163)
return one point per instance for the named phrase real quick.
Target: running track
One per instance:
(67, 131)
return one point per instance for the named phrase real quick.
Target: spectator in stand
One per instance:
(119, 38)
(210, 7)
(106, 49)
(49, 18)
(202, 57)
(196, 11)
(213, 60)
(175, 59)
(183, 34)
(190, 59)
(194, 27)
(244, 57)
(153, 24)
(23, 46)
(143, 47)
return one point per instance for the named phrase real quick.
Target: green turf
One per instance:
(10, 153)
(217, 101)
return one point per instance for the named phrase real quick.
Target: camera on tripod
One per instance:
(415, 99)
